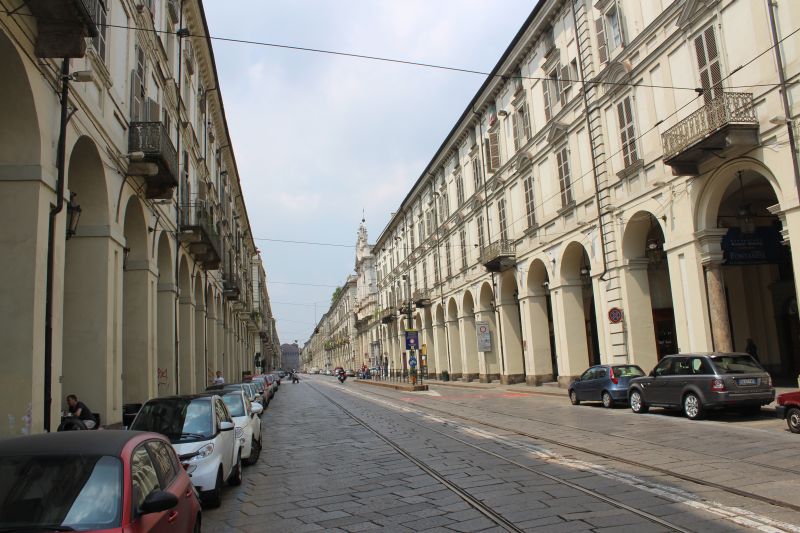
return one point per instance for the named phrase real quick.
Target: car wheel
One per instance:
(255, 452)
(236, 476)
(793, 419)
(573, 397)
(608, 401)
(637, 403)
(692, 407)
(213, 498)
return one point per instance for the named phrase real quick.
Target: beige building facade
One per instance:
(623, 186)
(143, 283)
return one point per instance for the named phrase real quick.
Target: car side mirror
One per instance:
(256, 408)
(226, 426)
(158, 501)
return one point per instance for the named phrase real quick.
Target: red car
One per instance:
(789, 408)
(103, 481)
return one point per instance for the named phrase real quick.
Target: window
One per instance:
(610, 33)
(550, 93)
(138, 86)
(481, 237)
(411, 236)
(460, 189)
(448, 257)
(99, 42)
(421, 227)
(476, 174)
(444, 208)
(429, 222)
(425, 274)
(627, 131)
(144, 477)
(522, 126)
(462, 241)
(705, 46)
(614, 29)
(493, 150)
(501, 217)
(562, 160)
(436, 268)
(529, 205)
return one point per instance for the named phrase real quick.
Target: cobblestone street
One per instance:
(353, 458)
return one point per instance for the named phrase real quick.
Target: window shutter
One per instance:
(152, 110)
(526, 121)
(602, 45)
(494, 150)
(546, 93)
(137, 103)
(515, 125)
(708, 64)
(565, 84)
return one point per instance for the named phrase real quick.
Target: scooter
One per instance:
(342, 376)
(295, 379)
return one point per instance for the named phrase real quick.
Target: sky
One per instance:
(320, 139)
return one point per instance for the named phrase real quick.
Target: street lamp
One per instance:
(73, 215)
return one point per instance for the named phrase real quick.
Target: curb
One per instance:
(533, 392)
(405, 388)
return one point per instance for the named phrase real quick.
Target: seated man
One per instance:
(80, 411)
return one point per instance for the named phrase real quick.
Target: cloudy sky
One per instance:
(319, 138)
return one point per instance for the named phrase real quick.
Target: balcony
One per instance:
(231, 286)
(727, 121)
(159, 164)
(388, 315)
(499, 256)
(197, 230)
(63, 26)
(422, 298)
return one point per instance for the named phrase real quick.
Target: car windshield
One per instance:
(60, 491)
(736, 364)
(178, 419)
(627, 371)
(235, 404)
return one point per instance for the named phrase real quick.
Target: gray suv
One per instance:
(696, 383)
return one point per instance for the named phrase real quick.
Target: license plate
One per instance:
(747, 381)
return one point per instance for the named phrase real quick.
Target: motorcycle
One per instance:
(342, 376)
(295, 379)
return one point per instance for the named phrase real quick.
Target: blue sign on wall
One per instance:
(412, 340)
(761, 247)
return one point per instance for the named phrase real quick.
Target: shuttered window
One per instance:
(602, 45)
(530, 208)
(481, 237)
(448, 256)
(421, 227)
(562, 161)
(138, 86)
(627, 131)
(493, 159)
(705, 46)
(462, 240)
(460, 189)
(99, 41)
(522, 126)
(425, 274)
(411, 236)
(501, 217)
(476, 174)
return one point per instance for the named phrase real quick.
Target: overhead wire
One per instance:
(383, 59)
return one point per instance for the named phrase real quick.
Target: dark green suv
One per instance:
(698, 382)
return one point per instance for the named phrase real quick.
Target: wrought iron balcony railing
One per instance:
(231, 286)
(499, 256)
(197, 229)
(710, 127)
(63, 25)
(389, 315)
(151, 139)
(422, 297)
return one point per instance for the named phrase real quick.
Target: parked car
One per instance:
(350, 373)
(249, 390)
(788, 408)
(699, 382)
(248, 424)
(78, 481)
(314, 370)
(604, 383)
(201, 430)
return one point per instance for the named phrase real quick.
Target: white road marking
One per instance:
(736, 515)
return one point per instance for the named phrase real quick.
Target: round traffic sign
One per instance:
(615, 315)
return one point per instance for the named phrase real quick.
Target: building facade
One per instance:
(127, 249)
(623, 186)
(290, 356)
(345, 336)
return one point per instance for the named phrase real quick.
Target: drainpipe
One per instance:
(178, 85)
(495, 309)
(591, 146)
(51, 244)
(771, 5)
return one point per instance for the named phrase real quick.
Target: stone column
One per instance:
(718, 307)
(514, 371)
(200, 370)
(536, 331)
(469, 348)
(167, 292)
(638, 317)
(567, 301)
(186, 346)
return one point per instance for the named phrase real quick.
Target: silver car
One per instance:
(699, 382)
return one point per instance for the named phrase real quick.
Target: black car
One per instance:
(698, 382)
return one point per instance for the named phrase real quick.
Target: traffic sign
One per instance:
(412, 339)
(615, 315)
(412, 361)
(484, 336)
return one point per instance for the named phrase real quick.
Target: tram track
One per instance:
(746, 518)
(476, 503)
(617, 458)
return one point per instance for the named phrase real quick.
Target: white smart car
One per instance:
(248, 424)
(202, 432)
